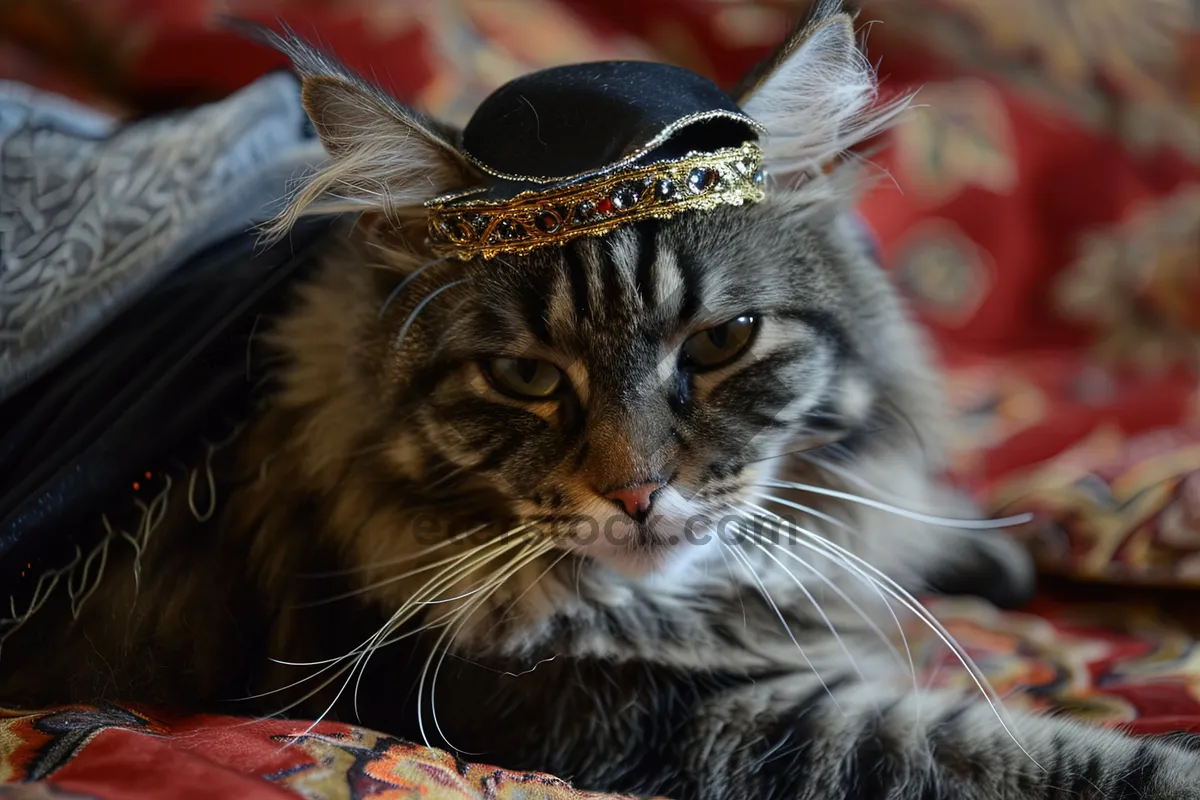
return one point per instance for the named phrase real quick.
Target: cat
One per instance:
(624, 510)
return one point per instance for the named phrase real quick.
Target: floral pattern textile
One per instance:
(1042, 217)
(91, 752)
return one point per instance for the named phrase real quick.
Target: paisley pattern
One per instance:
(1126, 68)
(1112, 507)
(361, 763)
(1113, 664)
(943, 271)
(90, 214)
(959, 136)
(1139, 284)
(83, 751)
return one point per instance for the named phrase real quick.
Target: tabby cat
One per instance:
(625, 511)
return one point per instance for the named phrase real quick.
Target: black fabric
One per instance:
(142, 395)
(584, 119)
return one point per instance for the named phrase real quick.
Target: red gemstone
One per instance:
(603, 205)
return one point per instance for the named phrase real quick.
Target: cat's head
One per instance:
(625, 393)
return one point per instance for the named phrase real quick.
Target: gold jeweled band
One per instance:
(464, 229)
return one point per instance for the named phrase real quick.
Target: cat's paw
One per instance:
(1176, 773)
(989, 564)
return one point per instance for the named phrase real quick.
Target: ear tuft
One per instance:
(816, 96)
(385, 157)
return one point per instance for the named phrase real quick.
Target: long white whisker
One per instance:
(825, 617)
(839, 523)
(526, 556)
(359, 656)
(513, 603)
(822, 545)
(458, 537)
(449, 475)
(857, 480)
(413, 605)
(832, 550)
(733, 577)
(429, 298)
(767, 596)
(880, 492)
(873, 585)
(946, 522)
(845, 598)
(329, 664)
(397, 578)
(407, 280)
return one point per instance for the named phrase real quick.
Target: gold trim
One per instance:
(464, 229)
(666, 133)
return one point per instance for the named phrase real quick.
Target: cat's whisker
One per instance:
(817, 514)
(761, 542)
(374, 646)
(864, 570)
(800, 451)
(842, 561)
(457, 568)
(858, 480)
(578, 576)
(407, 280)
(419, 600)
(745, 561)
(869, 573)
(815, 604)
(893, 410)
(458, 537)
(733, 576)
(870, 582)
(396, 578)
(527, 556)
(449, 475)
(533, 583)
(329, 663)
(946, 522)
(407, 610)
(429, 298)
(416, 601)
(358, 653)
(813, 512)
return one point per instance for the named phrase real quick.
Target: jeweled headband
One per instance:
(583, 149)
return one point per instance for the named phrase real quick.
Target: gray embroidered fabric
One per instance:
(93, 212)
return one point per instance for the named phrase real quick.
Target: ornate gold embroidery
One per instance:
(464, 229)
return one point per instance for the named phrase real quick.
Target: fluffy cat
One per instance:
(567, 471)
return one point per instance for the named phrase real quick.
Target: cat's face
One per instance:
(622, 393)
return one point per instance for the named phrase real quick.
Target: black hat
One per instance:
(582, 149)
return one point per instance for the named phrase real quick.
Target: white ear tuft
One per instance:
(383, 156)
(816, 96)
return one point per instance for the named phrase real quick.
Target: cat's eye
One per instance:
(524, 378)
(720, 345)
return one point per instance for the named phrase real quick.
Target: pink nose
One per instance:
(635, 500)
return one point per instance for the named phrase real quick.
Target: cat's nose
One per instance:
(637, 499)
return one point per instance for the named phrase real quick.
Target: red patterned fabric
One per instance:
(118, 753)
(1040, 208)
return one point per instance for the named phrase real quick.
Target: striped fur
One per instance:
(661, 660)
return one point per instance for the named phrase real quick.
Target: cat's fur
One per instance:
(692, 670)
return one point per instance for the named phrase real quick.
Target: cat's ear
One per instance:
(817, 95)
(384, 157)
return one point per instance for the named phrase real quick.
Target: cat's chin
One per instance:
(656, 559)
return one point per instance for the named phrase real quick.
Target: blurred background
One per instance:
(1040, 208)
